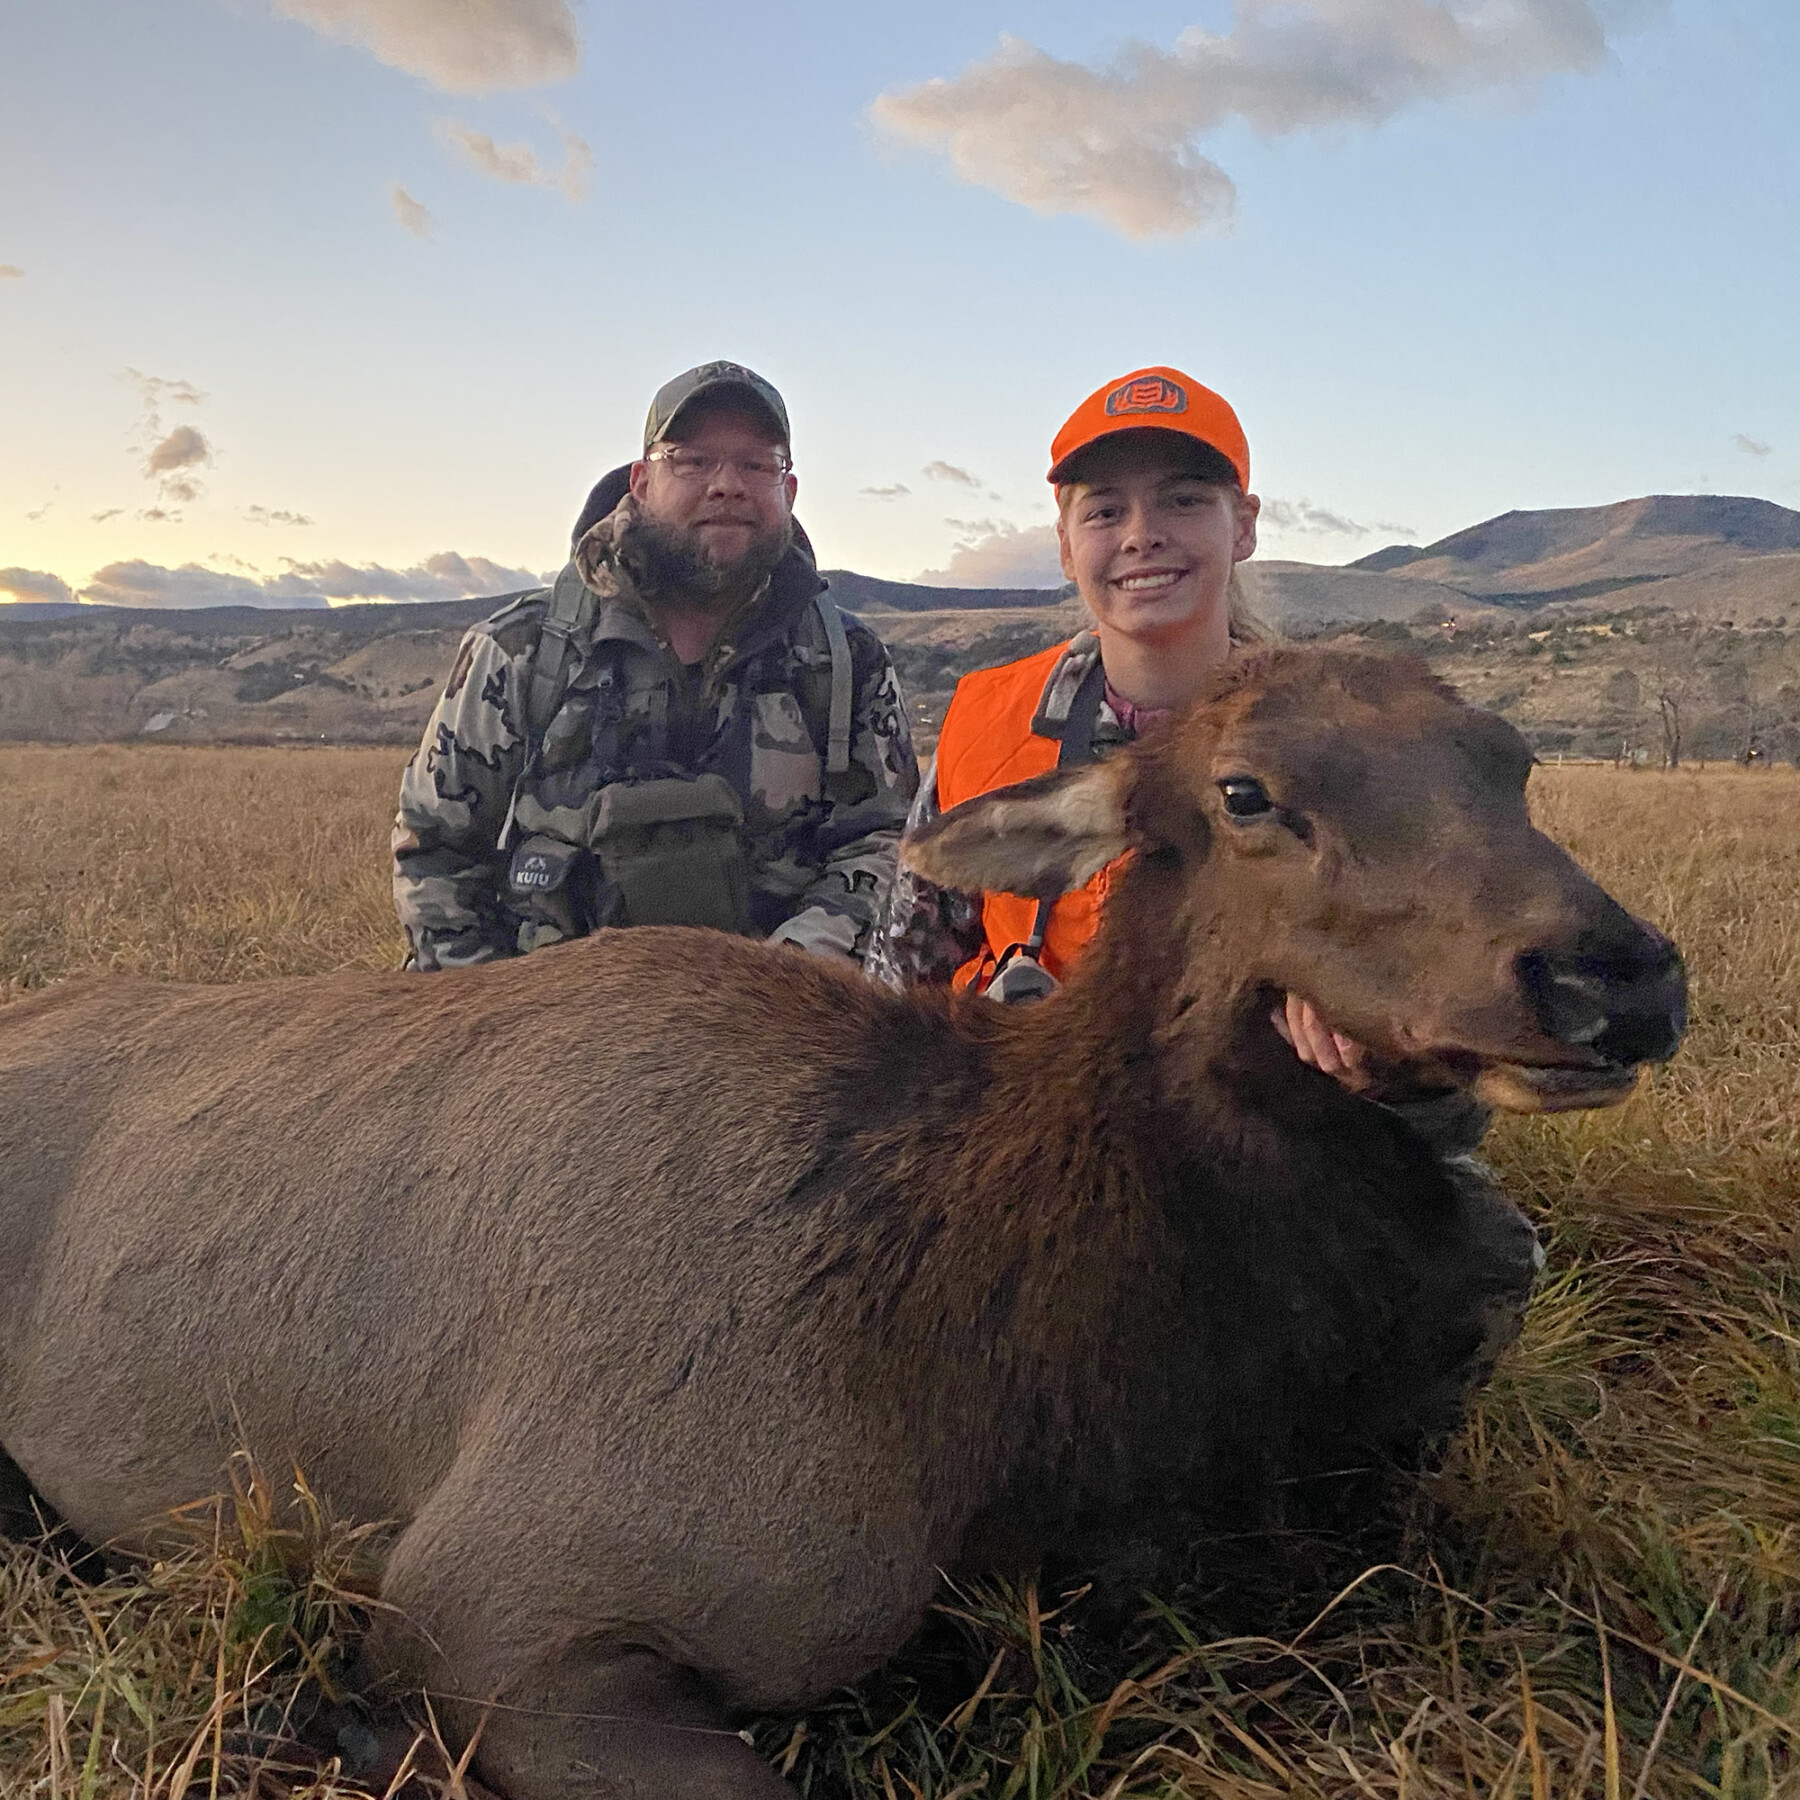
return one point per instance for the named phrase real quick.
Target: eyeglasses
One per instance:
(694, 465)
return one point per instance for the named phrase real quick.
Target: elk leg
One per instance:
(579, 1711)
(26, 1517)
(600, 1722)
(19, 1517)
(615, 1723)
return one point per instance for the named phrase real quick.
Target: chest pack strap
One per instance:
(571, 607)
(843, 685)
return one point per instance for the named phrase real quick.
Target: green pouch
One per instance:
(671, 852)
(544, 883)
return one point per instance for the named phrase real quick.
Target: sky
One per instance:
(305, 301)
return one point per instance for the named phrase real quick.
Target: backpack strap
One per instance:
(1077, 746)
(570, 606)
(843, 685)
(1084, 714)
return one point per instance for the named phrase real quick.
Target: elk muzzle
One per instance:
(1614, 1001)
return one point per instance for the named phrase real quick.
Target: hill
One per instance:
(1298, 598)
(39, 609)
(369, 674)
(1712, 556)
(868, 593)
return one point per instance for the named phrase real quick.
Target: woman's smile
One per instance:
(1148, 581)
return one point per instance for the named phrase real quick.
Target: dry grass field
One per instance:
(194, 864)
(1596, 1592)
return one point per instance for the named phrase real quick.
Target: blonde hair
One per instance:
(1248, 627)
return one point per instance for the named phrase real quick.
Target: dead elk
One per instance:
(690, 1304)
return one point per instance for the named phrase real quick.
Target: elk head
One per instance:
(1341, 826)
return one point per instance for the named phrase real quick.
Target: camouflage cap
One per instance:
(713, 380)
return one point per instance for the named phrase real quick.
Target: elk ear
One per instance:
(1040, 838)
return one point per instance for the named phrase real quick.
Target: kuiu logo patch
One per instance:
(1147, 394)
(540, 866)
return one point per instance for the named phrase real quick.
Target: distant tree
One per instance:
(1623, 696)
(1752, 720)
(1669, 683)
(1668, 705)
(1747, 708)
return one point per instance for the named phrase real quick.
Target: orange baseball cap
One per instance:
(1161, 400)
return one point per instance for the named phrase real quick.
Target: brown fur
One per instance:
(688, 1305)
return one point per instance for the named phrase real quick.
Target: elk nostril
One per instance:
(1578, 1007)
(1570, 999)
(1651, 1015)
(1629, 1004)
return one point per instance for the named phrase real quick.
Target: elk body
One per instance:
(689, 1305)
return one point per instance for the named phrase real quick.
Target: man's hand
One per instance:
(1314, 1042)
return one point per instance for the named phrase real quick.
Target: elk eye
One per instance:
(1245, 797)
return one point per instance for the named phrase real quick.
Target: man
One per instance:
(682, 730)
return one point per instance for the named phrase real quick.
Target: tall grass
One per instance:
(197, 865)
(1596, 1591)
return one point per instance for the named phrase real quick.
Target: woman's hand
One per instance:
(1314, 1042)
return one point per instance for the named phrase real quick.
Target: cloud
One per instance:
(158, 515)
(41, 511)
(155, 389)
(898, 491)
(171, 461)
(34, 584)
(11, 272)
(138, 583)
(446, 576)
(1751, 446)
(943, 471)
(413, 215)
(992, 554)
(263, 515)
(171, 458)
(183, 448)
(1302, 515)
(519, 162)
(460, 46)
(112, 512)
(1117, 142)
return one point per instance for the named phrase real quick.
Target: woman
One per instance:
(1154, 514)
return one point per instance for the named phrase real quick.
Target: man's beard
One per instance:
(670, 565)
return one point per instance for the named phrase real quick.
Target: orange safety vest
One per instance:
(987, 743)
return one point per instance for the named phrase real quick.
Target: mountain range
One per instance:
(1711, 557)
(369, 673)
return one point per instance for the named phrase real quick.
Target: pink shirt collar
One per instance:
(1135, 719)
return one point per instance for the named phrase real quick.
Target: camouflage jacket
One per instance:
(817, 850)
